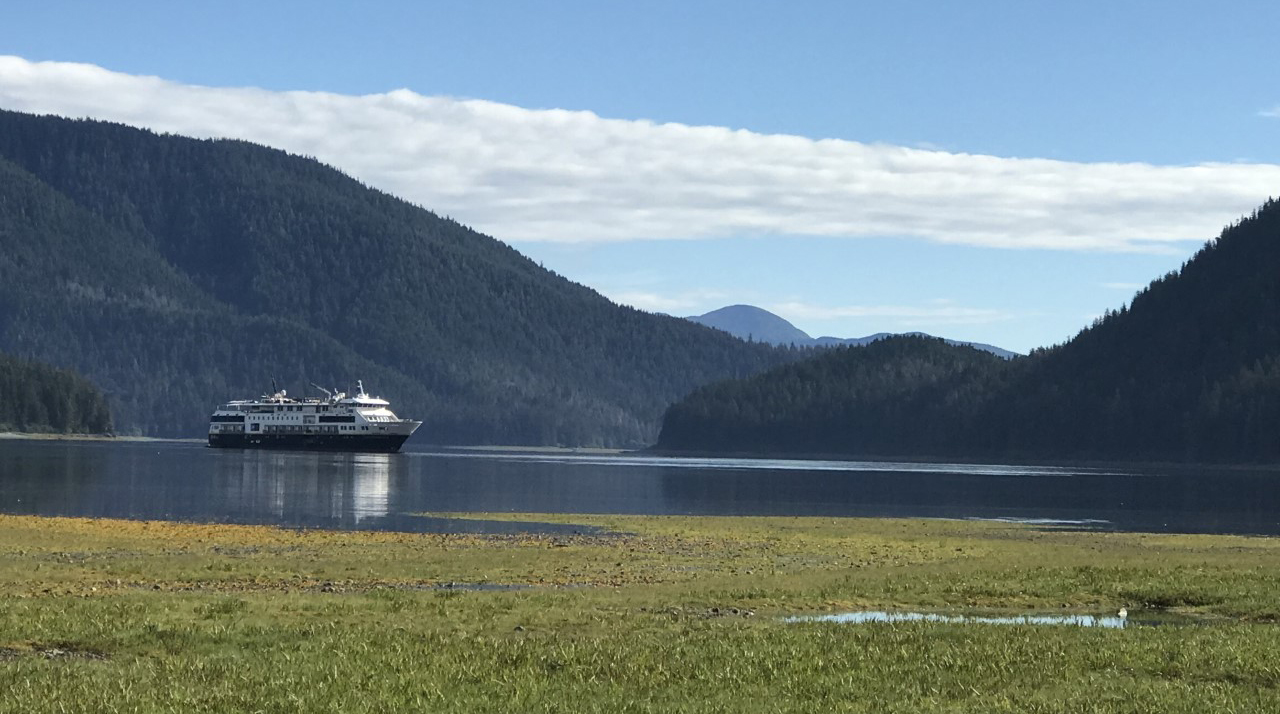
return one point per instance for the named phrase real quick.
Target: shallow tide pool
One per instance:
(869, 616)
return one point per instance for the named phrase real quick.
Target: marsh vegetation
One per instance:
(664, 614)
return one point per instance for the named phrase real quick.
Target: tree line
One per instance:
(35, 397)
(1189, 370)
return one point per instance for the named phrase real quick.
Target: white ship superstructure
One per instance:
(336, 422)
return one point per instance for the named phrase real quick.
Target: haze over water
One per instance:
(190, 482)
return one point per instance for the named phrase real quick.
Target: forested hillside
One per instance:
(35, 397)
(1189, 371)
(177, 273)
(898, 395)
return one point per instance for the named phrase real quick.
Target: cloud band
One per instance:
(555, 175)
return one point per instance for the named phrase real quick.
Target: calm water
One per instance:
(187, 481)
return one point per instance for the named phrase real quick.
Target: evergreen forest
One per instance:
(178, 273)
(1188, 371)
(35, 397)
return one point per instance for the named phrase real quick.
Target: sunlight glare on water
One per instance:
(781, 464)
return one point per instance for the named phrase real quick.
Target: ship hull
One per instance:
(379, 443)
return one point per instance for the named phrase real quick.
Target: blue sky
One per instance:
(933, 104)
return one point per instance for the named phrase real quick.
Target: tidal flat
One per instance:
(656, 614)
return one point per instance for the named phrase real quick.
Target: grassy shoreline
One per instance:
(666, 614)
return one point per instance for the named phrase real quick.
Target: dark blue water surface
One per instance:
(190, 482)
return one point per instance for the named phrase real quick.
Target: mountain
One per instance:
(178, 273)
(748, 322)
(1188, 371)
(756, 324)
(35, 397)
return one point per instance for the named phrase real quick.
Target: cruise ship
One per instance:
(335, 423)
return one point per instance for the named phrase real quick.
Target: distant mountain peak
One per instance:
(749, 322)
(754, 323)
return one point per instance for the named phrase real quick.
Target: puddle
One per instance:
(1066, 523)
(1105, 621)
(58, 651)
(477, 587)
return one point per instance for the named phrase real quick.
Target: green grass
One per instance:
(124, 616)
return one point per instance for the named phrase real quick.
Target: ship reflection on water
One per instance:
(370, 485)
(308, 487)
(314, 489)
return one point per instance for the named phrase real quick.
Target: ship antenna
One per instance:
(274, 388)
(327, 393)
(360, 387)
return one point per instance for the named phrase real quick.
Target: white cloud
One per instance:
(680, 303)
(1273, 112)
(556, 175)
(939, 312)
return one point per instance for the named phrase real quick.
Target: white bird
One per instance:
(1123, 613)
